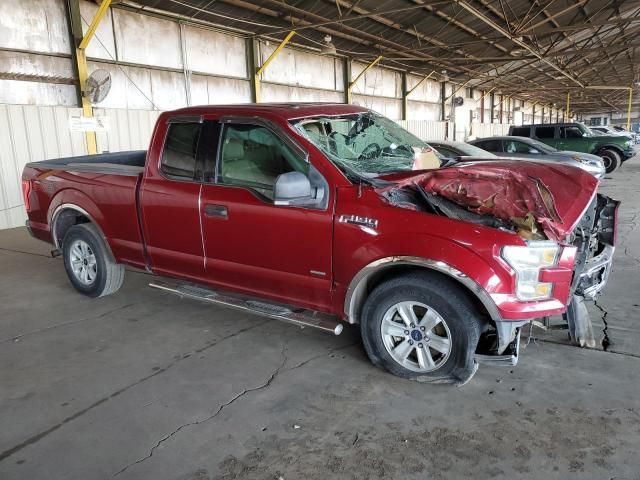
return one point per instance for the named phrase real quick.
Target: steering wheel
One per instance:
(372, 150)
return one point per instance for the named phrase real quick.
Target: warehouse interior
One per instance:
(143, 385)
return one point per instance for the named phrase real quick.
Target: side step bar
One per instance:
(300, 317)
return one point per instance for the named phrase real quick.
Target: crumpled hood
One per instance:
(554, 196)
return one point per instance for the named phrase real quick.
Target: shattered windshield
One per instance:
(368, 144)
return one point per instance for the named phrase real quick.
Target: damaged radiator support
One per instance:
(594, 238)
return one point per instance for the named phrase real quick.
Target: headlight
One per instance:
(629, 143)
(527, 261)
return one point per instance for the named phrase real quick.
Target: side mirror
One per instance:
(292, 188)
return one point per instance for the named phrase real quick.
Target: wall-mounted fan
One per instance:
(98, 86)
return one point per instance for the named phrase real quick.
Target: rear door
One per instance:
(547, 134)
(169, 202)
(251, 244)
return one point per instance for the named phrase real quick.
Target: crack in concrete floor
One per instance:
(266, 384)
(39, 436)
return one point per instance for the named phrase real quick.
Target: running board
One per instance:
(299, 316)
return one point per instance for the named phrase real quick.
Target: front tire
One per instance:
(611, 160)
(422, 326)
(88, 262)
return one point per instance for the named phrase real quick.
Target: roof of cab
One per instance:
(288, 111)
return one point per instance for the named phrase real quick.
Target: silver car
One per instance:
(529, 149)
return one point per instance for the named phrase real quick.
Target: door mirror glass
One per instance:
(292, 188)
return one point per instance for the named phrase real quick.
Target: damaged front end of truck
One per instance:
(538, 203)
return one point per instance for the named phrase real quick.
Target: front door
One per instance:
(253, 245)
(571, 138)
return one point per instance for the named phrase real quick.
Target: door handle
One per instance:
(212, 210)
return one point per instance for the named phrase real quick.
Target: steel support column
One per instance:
(443, 93)
(492, 106)
(533, 113)
(629, 109)
(81, 42)
(405, 102)
(346, 71)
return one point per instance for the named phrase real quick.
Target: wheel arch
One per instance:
(375, 272)
(67, 215)
(617, 148)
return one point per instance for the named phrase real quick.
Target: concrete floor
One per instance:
(143, 385)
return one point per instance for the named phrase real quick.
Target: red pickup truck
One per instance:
(319, 214)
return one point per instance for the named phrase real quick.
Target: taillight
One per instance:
(26, 190)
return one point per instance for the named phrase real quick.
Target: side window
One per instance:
(179, 154)
(518, 147)
(253, 156)
(545, 132)
(570, 132)
(521, 132)
(490, 145)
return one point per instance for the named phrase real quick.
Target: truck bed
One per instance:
(117, 163)
(103, 187)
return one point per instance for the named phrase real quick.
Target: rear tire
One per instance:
(422, 326)
(89, 263)
(611, 160)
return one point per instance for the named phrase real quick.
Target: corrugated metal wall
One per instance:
(425, 130)
(481, 130)
(128, 129)
(30, 133)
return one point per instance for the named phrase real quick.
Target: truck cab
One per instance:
(322, 215)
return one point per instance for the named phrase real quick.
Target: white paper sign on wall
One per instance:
(80, 123)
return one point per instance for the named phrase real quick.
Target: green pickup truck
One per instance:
(576, 137)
